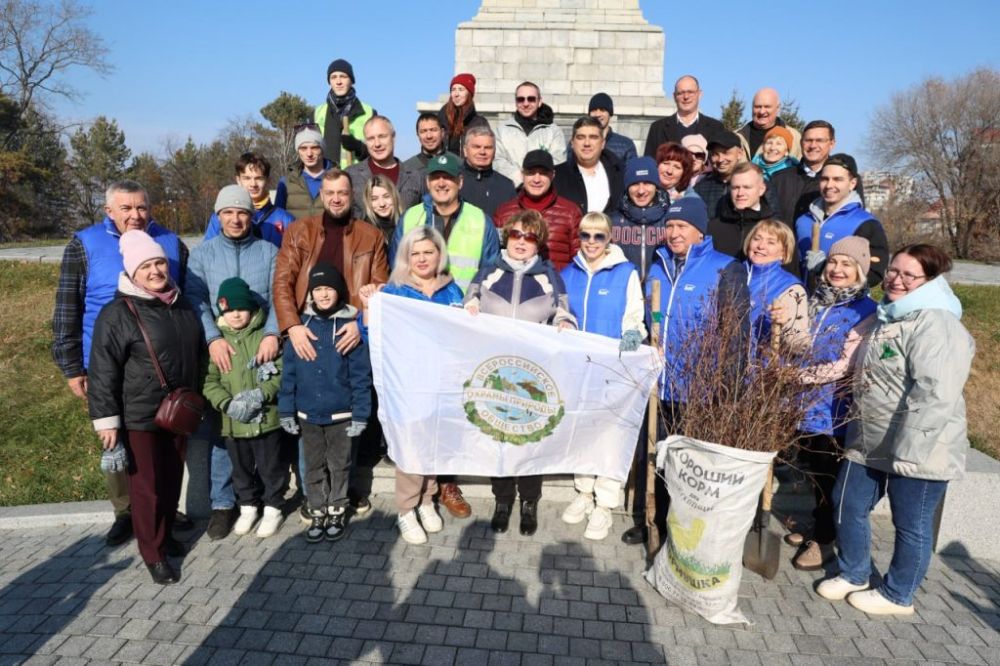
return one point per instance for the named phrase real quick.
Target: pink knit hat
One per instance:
(138, 247)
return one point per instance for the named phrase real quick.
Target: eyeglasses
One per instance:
(531, 99)
(599, 237)
(908, 278)
(698, 156)
(517, 234)
(305, 126)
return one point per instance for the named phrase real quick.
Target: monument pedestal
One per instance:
(571, 49)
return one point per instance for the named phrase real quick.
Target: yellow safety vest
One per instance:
(465, 244)
(356, 127)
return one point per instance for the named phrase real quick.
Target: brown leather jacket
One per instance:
(365, 262)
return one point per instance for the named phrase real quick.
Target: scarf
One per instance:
(539, 204)
(517, 265)
(826, 295)
(342, 105)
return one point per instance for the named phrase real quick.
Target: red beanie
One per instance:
(467, 80)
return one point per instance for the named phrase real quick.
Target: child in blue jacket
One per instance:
(331, 396)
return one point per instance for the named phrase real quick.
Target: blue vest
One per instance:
(598, 300)
(841, 224)
(830, 402)
(684, 300)
(105, 264)
(766, 283)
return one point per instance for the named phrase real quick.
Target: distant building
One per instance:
(882, 187)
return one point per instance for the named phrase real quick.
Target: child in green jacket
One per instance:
(246, 397)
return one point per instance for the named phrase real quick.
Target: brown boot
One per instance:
(812, 556)
(451, 498)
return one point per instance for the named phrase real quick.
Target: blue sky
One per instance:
(185, 68)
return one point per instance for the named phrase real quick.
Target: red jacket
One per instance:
(562, 217)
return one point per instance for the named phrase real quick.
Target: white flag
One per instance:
(492, 396)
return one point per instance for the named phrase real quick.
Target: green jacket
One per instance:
(220, 387)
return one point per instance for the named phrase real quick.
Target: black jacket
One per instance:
(730, 229)
(792, 190)
(456, 144)
(486, 188)
(569, 181)
(669, 129)
(122, 381)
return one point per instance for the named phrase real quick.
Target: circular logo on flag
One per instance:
(512, 400)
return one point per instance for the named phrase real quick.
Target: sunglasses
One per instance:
(517, 234)
(698, 156)
(599, 237)
(305, 126)
(531, 99)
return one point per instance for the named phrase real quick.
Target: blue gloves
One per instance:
(114, 460)
(289, 425)
(356, 428)
(246, 405)
(815, 259)
(630, 341)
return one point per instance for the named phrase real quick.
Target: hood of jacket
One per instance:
(819, 214)
(651, 214)
(256, 322)
(935, 295)
(346, 311)
(612, 258)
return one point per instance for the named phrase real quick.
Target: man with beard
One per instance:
(725, 151)
(591, 176)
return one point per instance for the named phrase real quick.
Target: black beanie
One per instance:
(327, 275)
(340, 65)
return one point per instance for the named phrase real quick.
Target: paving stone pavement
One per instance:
(467, 597)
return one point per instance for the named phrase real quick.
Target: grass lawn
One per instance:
(49, 453)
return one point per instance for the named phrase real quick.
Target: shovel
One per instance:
(762, 549)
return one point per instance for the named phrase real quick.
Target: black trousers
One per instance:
(260, 475)
(328, 454)
(507, 488)
(820, 456)
(370, 447)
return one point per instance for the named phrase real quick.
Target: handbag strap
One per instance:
(149, 345)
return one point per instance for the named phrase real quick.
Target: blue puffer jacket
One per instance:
(830, 402)
(334, 387)
(607, 301)
(446, 293)
(766, 283)
(105, 264)
(686, 300)
(844, 222)
(221, 258)
(269, 223)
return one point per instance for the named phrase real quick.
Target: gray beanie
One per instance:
(308, 135)
(233, 196)
(855, 247)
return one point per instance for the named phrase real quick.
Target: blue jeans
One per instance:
(220, 466)
(913, 503)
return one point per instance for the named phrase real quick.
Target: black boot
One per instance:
(529, 517)
(162, 573)
(501, 517)
(635, 535)
(120, 532)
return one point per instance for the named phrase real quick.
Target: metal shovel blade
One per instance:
(762, 549)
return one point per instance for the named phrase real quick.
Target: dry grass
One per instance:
(982, 318)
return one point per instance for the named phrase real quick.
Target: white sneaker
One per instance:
(578, 509)
(245, 523)
(599, 524)
(270, 523)
(835, 589)
(429, 518)
(874, 602)
(410, 529)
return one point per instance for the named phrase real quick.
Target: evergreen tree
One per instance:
(731, 113)
(99, 159)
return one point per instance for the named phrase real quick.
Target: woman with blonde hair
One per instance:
(605, 296)
(420, 271)
(769, 245)
(382, 204)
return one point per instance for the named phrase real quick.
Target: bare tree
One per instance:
(39, 42)
(946, 135)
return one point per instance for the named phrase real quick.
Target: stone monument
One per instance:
(571, 49)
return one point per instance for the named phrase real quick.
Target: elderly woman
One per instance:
(124, 393)
(769, 245)
(839, 316)
(908, 437)
(382, 205)
(420, 272)
(605, 296)
(676, 168)
(697, 145)
(524, 286)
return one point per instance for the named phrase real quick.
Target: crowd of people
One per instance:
(267, 317)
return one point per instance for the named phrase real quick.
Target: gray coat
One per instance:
(411, 185)
(909, 413)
